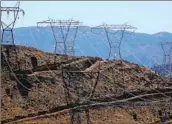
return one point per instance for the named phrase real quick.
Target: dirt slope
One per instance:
(40, 87)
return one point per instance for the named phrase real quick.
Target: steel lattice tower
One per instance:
(167, 56)
(74, 84)
(114, 43)
(64, 33)
(7, 28)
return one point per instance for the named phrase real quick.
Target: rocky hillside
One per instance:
(40, 87)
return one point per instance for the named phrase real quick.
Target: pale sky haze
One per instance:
(148, 17)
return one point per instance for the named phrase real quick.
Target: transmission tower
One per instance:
(7, 27)
(164, 111)
(78, 91)
(167, 56)
(112, 38)
(64, 33)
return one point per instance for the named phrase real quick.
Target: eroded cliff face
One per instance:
(35, 83)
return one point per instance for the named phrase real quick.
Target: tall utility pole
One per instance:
(113, 39)
(64, 33)
(167, 56)
(6, 26)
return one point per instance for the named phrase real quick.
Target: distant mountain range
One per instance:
(140, 48)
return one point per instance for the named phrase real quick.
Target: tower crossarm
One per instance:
(61, 23)
(12, 9)
(116, 26)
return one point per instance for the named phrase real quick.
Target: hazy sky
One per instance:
(148, 17)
